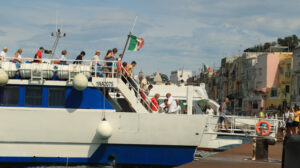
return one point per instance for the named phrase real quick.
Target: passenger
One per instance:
(289, 118)
(144, 88)
(163, 106)
(17, 58)
(96, 65)
(115, 51)
(124, 72)
(149, 89)
(138, 78)
(63, 59)
(223, 112)
(154, 103)
(296, 120)
(38, 55)
(130, 75)
(109, 57)
(3, 54)
(178, 107)
(120, 63)
(210, 111)
(262, 113)
(171, 104)
(78, 59)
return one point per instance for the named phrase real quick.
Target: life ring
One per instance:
(261, 132)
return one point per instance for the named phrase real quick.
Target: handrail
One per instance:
(138, 91)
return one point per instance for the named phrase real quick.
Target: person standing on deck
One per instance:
(63, 59)
(78, 59)
(96, 65)
(38, 55)
(172, 105)
(3, 54)
(223, 112)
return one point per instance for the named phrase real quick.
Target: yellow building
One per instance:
(280, 94)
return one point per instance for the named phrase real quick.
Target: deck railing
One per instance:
(67, 69)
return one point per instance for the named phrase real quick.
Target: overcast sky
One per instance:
(177, 33)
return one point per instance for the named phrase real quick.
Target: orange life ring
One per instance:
(261, 132)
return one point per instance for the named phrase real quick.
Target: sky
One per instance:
(178, 33)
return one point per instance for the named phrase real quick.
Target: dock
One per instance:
(239, 157)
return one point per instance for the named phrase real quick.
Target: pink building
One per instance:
(266, 73)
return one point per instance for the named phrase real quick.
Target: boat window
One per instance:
(56, 96)
(9, 95)
(33, 96)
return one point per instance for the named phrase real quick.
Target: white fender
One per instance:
(80, 82)
(104, 129)
(3, 77)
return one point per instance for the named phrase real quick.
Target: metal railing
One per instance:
(239, 126)
(147, 101)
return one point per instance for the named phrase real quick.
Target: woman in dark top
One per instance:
(78, 59)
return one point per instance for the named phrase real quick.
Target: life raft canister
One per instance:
(261, 132)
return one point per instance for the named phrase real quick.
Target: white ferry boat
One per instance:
(44, 119)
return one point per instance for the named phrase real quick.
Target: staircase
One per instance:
(129, 95)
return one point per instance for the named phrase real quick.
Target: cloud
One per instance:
(177, 33)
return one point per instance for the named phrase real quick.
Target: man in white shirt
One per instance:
(3, 54)
(172, 105)
(63, 59)
(163, 107)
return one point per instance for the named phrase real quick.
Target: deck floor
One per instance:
(239, 157)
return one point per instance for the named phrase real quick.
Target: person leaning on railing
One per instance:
(17, 58)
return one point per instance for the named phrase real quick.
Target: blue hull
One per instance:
(123, 154)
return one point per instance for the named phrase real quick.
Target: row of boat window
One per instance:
(10, 95)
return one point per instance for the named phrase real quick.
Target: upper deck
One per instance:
(101, 75)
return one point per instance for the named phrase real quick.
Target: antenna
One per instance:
(58, 34)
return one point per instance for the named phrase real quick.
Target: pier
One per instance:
(239, 157)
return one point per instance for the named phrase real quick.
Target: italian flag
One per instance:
(206, 68)
(136, 43)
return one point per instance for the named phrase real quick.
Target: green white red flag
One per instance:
(136, 43)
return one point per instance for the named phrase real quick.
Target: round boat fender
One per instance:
(3, 77)
(104, 129)
(260, 132)
(80, 82)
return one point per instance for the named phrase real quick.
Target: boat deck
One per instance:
(239, 157)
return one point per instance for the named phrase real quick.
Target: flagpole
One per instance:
(129, 36)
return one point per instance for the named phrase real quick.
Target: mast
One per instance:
(58, 35)
(129, 35)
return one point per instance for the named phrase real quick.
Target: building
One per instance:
(296, 78)
(180, 76)
(272, 80)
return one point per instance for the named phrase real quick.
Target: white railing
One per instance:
(147, 101)
(239, 125)
(99, 68)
